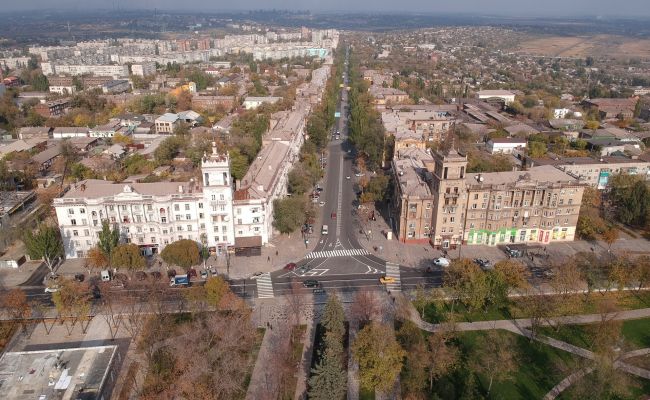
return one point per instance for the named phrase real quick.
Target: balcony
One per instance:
(452, 195)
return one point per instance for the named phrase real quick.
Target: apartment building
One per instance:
(166, 123)
(251, 102)
(430, 124)
(144, 69)
(151, 215)
(213, 103)
(116, 71)
(439, 202)
(52, 108)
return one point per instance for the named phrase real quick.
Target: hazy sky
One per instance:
(507, 7)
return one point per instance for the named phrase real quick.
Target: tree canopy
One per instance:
(184, 253)
(128, 256)
(379, 355)
(44, 244)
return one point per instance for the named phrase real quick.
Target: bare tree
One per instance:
(364, 306)
(294, 300)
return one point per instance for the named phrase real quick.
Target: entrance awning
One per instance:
(248, 242)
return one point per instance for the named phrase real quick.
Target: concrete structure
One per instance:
(70, 373)
(505, 145)
(251, 103)
(507, 96)
(116, 86)
(41, 132)
(69, 132)
(431, 125)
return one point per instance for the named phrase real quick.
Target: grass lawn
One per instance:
(636, 333)
(641, 387)
(436, 313)
(540, 367)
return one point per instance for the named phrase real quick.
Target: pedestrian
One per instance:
(270, 326)
(268, 259)
(276, 252)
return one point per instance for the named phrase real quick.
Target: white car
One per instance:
(322, 203)
(51, 289)
(441, 262)
(358, 174)
(347, 177)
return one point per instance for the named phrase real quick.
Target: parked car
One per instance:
(52, 289)
(204, 274)
(290, 266)
(386, 279)
(441, 262)
(318, 291)
(347, 177)
(483, 263)
(310, 283)
(513, 252)
(79, 277)
(192, 273)
(322, 203)
(359, 174)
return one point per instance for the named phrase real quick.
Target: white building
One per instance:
(505, 145)
(166, 123)
(505, 95)
(116, 71)
(151, 215)
(69, 132)
(251, 103)
(143, 69)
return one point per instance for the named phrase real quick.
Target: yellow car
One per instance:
(386, 279)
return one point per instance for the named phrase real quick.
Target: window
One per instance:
(187, 207)
(151, 230)
(452, 219)
(222, 197)
(149, 207)
(111, 208)
(73, 222)
(178, 218)
(70, 211)
(201, 215)
(95, 222)
(82, 211)
(177, 207)
(225, 238)
(163, 220)
(86, 232)
(188, 216)
(138, 218)
(476, 196)
(153, 239)
(200, 205)
(256, 220)
(88, 242)
(139, 229)
(213, 197)
(189, 227)
(215, 228)
(75, 233)
(474, 206)
(123, 207)
(224, 228)
(202, 226)
(428, 206)
(222, 208)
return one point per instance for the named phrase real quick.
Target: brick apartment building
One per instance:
(211, 103)
(54, 108)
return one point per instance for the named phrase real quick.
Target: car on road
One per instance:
(322, 203)
(204, 274)
(386, 279)
(52, 289)
(484, 263)
(324, 230)
(310, 283)
(256, 275)
(347, 177)
(441, 262)
(333, 215)
(337, 137)
(290, 266)
(359, 174)
(513, 252)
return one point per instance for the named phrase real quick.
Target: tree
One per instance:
(96, 258)
(610, 236)
(73, 301)
(127, 256)
(364, 306)
(494, 357)
(414, 374)
(379, 355)
(215, 290)
(44, 244)
(288, 214)
(631, 198)
(328, 380)
(184, 253)
(514, 273)
(15, 306)
(167, 150)
(442, 357)
(468, 283)
(536, 149)
(641, 271)
(108, 238)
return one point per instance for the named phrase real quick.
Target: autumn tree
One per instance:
(413, 379)
(127, 256)
(184, 253)
(442, 356)
(289, 214)
(215, 290)
(468, 283)
(108, 238)
(96, 258)
(73, 302)
(15, 306)
(379, 355)
(641, 271)
(44, 244)
(494, 357)
(364, 306)
(610, 236)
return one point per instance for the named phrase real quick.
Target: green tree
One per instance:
(414, 375)
(494, 357)
(631, 198)
(328, 380)
(536, 149)
(184, 253)
(238, 164)
(127, 256)
(379, 355)
(40, 83)
(168, 149)
(289, 214)
(108, 238)
(215, 289)
(44, 244)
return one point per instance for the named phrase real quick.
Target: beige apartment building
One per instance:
(540, 205)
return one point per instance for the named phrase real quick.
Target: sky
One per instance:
(494, 7)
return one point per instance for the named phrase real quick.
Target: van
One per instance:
(106, 275)
(323, 231)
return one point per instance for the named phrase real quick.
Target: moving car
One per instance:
(323, 230)
(310, 283)
(441, 262)
(386, 279)
(347, 177)
(333, 215)
(290, 266)
(204, 274)
(513, 253)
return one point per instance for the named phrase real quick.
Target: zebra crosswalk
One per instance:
(338, 253)
(265, 286)
(392, 271)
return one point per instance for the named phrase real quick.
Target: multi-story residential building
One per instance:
(612, 108)
(438, 201)
(413, 199)
(251, 102)
(504, 95)
(116, 86)
(166, 123)
(52, 108)
(151, 215)
(116, 71)
(144, 69)
(431, 125)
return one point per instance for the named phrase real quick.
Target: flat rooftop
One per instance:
(66, 374)
(12, 201)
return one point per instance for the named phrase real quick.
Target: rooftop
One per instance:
(67, 374)
(261, 174)
(96, 189)
(541, 174)
(168, 117)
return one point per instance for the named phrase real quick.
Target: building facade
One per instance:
(151, 215)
